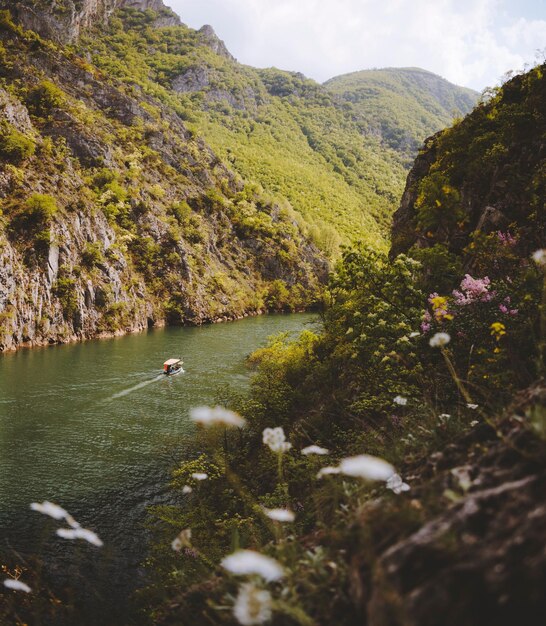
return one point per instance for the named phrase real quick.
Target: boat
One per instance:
(172, 366)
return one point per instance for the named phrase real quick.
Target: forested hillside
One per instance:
(402, 106)
(280, 129)
(116, 214)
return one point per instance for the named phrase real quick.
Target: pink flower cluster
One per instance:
(473, 290)
(506, 239)
(504, 307)
(426, 323)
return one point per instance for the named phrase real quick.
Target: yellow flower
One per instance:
(497, 330)
(438, 302)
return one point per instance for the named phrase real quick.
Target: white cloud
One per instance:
(470, 42)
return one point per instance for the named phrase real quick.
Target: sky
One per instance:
(470, 42)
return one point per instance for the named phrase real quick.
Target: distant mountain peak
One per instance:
(211, 39)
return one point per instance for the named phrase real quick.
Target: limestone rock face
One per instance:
(64, 23)
(212, 40)
(145, 226)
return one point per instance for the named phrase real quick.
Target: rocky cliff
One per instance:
(485, 174)
(65, 21)
(114, 216)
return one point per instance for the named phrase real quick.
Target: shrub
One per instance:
(45, 97)
(40, 208)
(14, 145)
(92, 254)
(65, 290)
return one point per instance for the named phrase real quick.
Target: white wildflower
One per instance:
(539, 257)
(246, 562)
(439, 340)
(182, 540)
(474, 423)
(414, 334)
(315, 450)
(252, 606)
(276, 439)
(280, 515)
(472, 406)
(396, 484)
(48, 508)
(400, 400)
(462, 475)
(186, 489)
(326, 471)
(16, 585)
(208, 416)
(200, 476)
(80, 533)
(367, 467)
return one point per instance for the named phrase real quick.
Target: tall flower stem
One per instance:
(542, 338)
(462, 389)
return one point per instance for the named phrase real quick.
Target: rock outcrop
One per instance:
(211, 39)
(64, 22)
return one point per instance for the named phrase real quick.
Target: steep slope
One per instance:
(277, 128)
(115, 217)
(486, 174)
(402, 106)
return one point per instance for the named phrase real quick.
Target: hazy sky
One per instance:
(469, 42)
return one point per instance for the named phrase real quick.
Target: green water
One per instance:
(94, 426)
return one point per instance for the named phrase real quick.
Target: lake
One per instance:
(93, 427)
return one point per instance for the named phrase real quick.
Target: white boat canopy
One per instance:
(172, 362)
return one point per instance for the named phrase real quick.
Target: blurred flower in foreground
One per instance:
(327, 471)
(200, 476)
(439, 340)
(280, 515)
(539, 257)
(208, 416)
(55, 511)
(276, 439)
(80, 533)
(186, 489)
(396, 484)
(16, 585)
(182, 540)
(400, 400)
(314, 450)
(367, 467)
(245, 562)
(252, 606)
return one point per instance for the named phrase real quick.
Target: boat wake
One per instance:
(126, 392)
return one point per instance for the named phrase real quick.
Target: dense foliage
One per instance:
(277, 128)
(402, 105)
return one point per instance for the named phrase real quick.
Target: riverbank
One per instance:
(39, 342)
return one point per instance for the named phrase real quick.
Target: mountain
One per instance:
(148, 177)
(116, 217)
(402, 106)
(299, 140)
